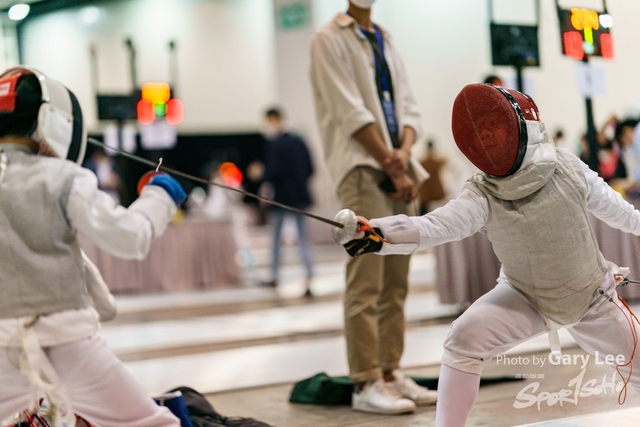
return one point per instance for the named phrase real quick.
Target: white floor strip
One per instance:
(622, 418)
(253, 324)
(329, 280)
(288, 362)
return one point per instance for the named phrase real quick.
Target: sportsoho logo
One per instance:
(576, 388)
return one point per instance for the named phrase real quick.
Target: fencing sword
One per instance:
(621, 281)
(345, 224)
(625, 281)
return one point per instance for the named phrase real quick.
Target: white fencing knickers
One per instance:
(504, 318)
(98, 385)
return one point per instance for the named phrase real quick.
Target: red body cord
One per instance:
(363, 225)
(622, 397)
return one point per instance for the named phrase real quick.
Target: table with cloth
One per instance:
(467, 269)
(192, 255)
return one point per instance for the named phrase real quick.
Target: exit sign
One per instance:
(292, 16)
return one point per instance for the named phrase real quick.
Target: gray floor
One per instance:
(494, 406)
(246, 347)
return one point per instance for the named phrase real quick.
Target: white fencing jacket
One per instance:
(470, 213)
(126, 233)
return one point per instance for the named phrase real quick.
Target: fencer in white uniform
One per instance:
(532, 199)
(52, 296)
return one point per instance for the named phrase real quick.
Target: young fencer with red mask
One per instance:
(532, 200)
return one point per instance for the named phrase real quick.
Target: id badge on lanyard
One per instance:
(389, 109)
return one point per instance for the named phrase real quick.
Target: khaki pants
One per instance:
(376, 285)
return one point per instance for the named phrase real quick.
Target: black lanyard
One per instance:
(388, 104)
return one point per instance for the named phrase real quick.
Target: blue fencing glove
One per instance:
(178, 407)
(170, 185)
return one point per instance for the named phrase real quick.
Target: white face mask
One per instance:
(363, 4)
(269, 132)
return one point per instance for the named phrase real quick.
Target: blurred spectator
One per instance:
(287, 168)
(219, 204)
(604, 145)
(610, 164)
(494, 80)
(104, 168)
(253, 184)
(584, 148)
(558, 139)
(609, 127)
(609, 154)
(627, 170)
(432, 189)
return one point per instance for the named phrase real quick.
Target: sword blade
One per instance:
(216, 184)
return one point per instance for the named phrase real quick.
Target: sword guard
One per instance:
(348, 219)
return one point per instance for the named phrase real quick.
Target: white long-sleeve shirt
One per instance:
(468, 213)
(123, 232)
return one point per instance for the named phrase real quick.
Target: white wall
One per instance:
(295, 96)
(446, 44)
(8, 44)
(225, 50)
(228, 55)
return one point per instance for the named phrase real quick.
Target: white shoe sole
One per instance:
(426, 402)
(364, 407)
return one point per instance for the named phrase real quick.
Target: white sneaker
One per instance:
(408, 389)
(381, 397)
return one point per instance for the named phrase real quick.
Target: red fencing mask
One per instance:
(489, 127)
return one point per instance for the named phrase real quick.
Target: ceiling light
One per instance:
(89, 15)
(18, 12)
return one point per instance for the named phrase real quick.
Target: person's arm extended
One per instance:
(460, 218)
(369, 137)
(123, 232)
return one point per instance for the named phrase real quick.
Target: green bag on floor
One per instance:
(321, 389)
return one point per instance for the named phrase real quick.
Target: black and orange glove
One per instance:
(368, 239)
(370, 242)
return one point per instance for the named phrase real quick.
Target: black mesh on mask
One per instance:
(487, 129)
(22, 121)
